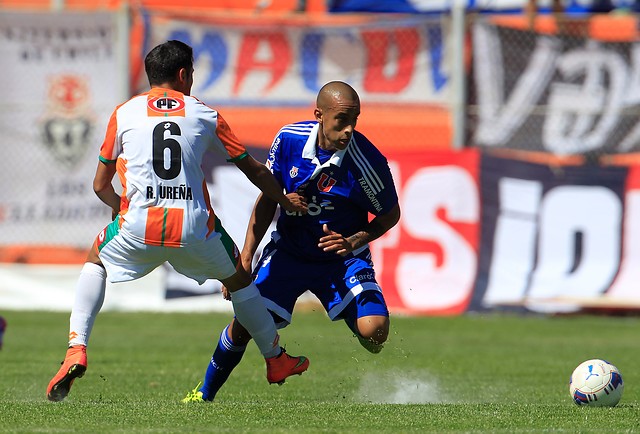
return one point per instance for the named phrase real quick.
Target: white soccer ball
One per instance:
(596, 383)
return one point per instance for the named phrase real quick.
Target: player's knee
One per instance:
(378, 336)
(374, 328)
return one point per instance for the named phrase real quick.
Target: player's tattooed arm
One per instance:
(341, 245)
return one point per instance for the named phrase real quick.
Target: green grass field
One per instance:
(476, 373)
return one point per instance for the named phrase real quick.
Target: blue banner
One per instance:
(439, 6)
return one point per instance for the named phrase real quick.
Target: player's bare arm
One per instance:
(261, 217)
(342, 245)
(104, 189)
(263, 211)
(262, 178)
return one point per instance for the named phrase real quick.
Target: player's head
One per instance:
(170, 65)
(337, 111)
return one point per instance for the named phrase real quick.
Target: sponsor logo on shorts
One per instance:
(363, 277)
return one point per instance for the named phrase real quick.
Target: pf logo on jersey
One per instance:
(165, 106)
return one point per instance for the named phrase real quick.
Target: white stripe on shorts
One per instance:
(365, 286)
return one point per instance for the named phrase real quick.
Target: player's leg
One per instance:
(227, 355)
(280, 293)
(252, 313)
(282, 365)
(355, 296)
(368, 317)
(89, 296)
(125, 260)
(217, 259)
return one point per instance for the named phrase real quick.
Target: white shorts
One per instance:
(125, 258)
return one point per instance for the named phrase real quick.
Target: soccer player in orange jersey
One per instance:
(155, 142)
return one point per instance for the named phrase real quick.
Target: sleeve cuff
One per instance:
(238, 158)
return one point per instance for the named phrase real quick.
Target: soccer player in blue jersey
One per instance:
(344, 179)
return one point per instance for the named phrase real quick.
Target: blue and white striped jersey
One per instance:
(341, 192)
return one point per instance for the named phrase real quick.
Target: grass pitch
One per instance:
(475, 373)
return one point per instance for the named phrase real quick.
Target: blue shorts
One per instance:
(346, 288)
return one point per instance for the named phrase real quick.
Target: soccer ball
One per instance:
(596, 383)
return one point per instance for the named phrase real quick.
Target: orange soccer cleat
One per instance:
(283, 365)
(73, 366)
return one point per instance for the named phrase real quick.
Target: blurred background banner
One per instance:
(558, 94)
(58, 92)
(284, 62)
(513, 139)
(439, 6)
(552, 238)
(427, 263)
(264, 71)
(421, 6)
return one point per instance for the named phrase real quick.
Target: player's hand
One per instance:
(245, 262)
(295, 203)
(225, 293)
(334, 242)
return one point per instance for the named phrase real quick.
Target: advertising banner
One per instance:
(555, 94)
(427, 263)
(58, 93)
(436, 6)
(420, 6)
(557, 239)
(478, 232)
(284, 62)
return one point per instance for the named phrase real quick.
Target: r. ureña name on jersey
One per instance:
(180, 192)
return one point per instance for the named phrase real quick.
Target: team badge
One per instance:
(293, 172)
(67, 125)
(325, 183)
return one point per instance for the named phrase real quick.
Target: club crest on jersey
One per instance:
(325, 182)
(165, 106)
(293, 172)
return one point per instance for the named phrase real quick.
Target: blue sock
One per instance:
(225, 358)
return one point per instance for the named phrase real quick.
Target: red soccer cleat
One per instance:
(283, 365)
(73, 366)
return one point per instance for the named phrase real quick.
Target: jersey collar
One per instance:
(309, 151)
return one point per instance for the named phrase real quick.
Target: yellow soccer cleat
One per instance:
(194, 396)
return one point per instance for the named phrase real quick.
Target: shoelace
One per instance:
(193, 395)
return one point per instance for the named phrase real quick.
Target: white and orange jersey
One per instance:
(157, 140)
